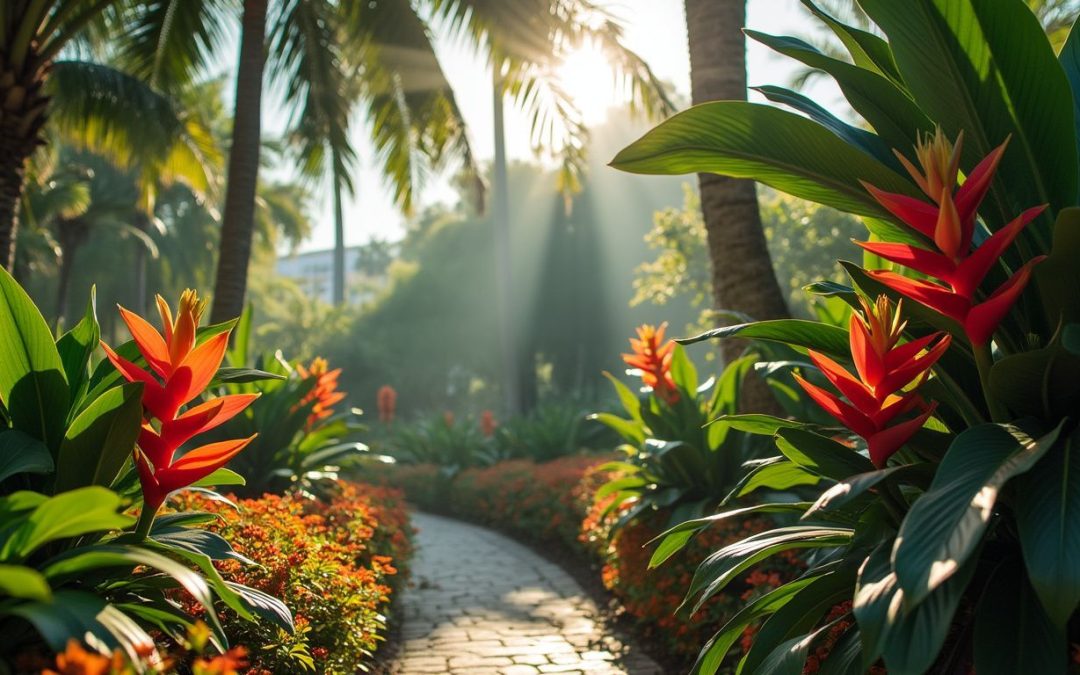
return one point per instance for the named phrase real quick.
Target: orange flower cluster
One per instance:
(75, 660)
(185, 369)
(324, 391)
(652, 358)
(358, 538)
(386, 402)
(487, 423)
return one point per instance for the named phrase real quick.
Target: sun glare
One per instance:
(587, 78)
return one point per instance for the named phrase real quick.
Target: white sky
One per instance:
(655, 29)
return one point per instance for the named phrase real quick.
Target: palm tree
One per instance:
(742, 272)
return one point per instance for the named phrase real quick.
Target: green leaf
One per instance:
(889, 110)
(798, 617)
(781, 475)
(714, 651)
(75, 348)
(1070, 63)
(821, 455)
(32, 380)
(241, 339)
(630, 401)
(789, 658)
(1012, 632)
(908, 640)
(1042, 383)
(231, 375)
(1047, 505)
(781, 149)
(197, 540)
(946, 524)
(986, 67)
(70, 614)
(264, 606)
(753, 423)
(866, 49)
(100, 439)
(794, 332)
(721, 567)
(20, 453)
(683, 371)
(632, 431)
(24, 583)
(1058, 277)
(848, 489)
(70, 514)
(221, 478)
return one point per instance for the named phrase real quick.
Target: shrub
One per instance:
(425, 485)
(335, 562)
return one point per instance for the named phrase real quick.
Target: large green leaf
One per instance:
(888, 109)
(21, 453)
(1058, 276)
(81, 511)
(32, 380)
(87, 617)
(909, 641)
(795, 332)
(75, 348)
(1012, 632)
(987, 68)
(721, 567)
(946, 524)
(25, 583)
(1070, 63)
(778, 148)
(821, 455)
(100, 439)
(866, 49)
(1047, 505)
(776, 475)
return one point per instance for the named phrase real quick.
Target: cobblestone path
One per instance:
(483, 604)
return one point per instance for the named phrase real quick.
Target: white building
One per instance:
(313, 271)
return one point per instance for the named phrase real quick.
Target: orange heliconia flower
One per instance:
(652, 357)
(386, 401)
(324, 393)
(75, 660)
(879, 392)
(487, 423)
(182, 369)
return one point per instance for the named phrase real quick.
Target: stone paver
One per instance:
(482, 603)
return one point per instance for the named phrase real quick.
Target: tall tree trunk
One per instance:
(339, 235)
(22, 115)
(234, 252)
(742, 273)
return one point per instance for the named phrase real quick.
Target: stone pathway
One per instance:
(483, 604)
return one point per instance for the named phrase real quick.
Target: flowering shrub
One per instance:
(425, 485)
(943, 536)
(335, 562)
(541, 502)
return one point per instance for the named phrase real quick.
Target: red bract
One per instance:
(876, 398)
(950, 223)
(386, 401)
(324, 393)
(652, 356)
(181, 371)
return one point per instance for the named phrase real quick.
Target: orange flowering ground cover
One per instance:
(335, 562)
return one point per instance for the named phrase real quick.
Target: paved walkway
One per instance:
(483, 604)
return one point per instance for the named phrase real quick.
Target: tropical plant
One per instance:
(944, 514)
(441, 440)
(73, 464)
(553, 429)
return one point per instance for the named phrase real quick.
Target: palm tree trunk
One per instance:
(743, 279)
(22, 114)
(237, 225)
(339, 235)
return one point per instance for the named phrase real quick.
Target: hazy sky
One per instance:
(655, 29)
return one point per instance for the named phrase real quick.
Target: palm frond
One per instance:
(169, 42)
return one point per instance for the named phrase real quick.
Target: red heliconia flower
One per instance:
(181, 371)
(386, 401)
(950, 223)
(324, 393)
(487, 423)
(652, 357)
(877, 396)
(448, 418)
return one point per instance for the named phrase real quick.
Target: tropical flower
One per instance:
(324, 392)
(652, 357)
(950, 223)
(876, 397)
(182, 369)
(487, 423)
(386, 401)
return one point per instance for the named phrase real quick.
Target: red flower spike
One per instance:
(324, 392)
(652, 356)
(885, 368)
(951, 225)
(185, 370)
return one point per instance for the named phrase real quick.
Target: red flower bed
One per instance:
(336, 563)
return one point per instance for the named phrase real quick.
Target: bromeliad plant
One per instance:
(73, 564)
(945, 535)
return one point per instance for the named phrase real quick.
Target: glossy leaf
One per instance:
(821, 455)
(946, 524)
(781, 149)
(70, 514)
(24, 583)
(100, 439)
(32, 381)
(781, 475)
(21, 453)
(75, 348)
(831, 340)
(866, 49)
(755, 423)
(1012, 632)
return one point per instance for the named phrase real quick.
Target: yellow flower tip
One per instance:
(191, 305)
